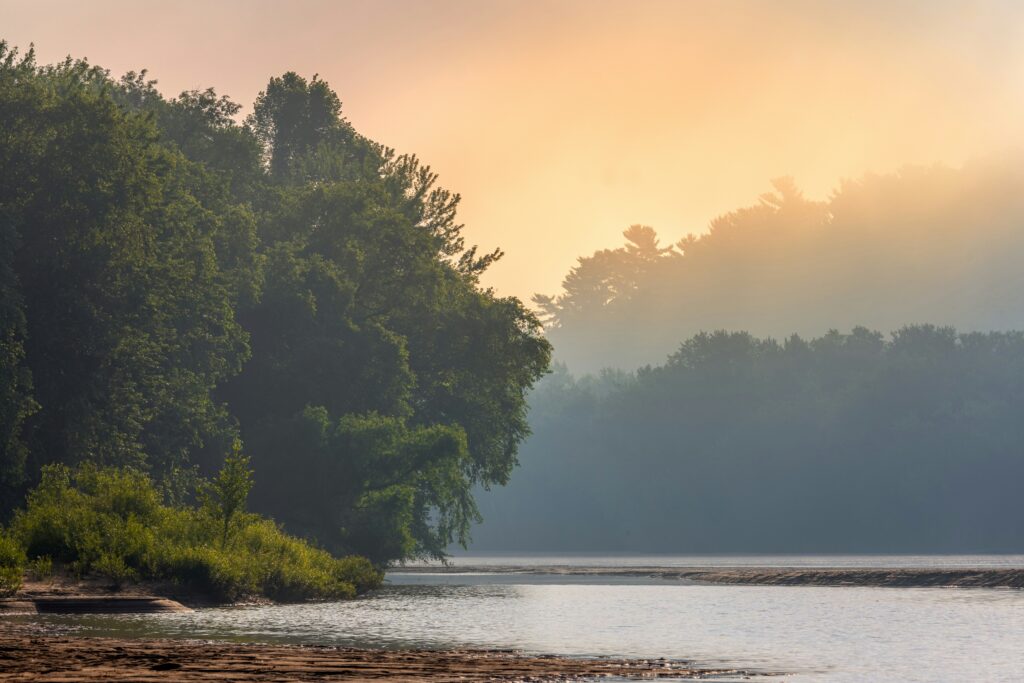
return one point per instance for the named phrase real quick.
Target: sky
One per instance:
(562, 122)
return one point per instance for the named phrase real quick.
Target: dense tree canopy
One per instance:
(172, 279)
(127, 303)
(844, 443)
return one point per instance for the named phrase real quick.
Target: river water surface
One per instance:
(809, 633)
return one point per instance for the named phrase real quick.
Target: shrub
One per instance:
(40, 568)
(12, 565)
(360, 572)
(111, 523)
(114, 567)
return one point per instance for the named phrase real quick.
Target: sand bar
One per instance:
(768, 576)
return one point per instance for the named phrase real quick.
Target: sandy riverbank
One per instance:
(26, 655)
(65, 594)
(772, 576)
(66, 587)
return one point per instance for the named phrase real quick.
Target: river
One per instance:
(810, 633)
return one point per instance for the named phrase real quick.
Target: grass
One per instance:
(113, 523)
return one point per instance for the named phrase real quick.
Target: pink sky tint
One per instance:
(562, 122)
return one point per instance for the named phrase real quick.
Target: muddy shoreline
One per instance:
(767, 576)
(27, 654)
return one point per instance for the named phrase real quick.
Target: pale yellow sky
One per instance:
(563, 122)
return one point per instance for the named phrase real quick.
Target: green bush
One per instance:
(40, 568)
(12, 565)
(115, 568)
(111, 523)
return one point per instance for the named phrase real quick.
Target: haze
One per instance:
(563, 123)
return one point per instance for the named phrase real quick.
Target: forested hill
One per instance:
(172, 278)
(846, 443)
(924, 245)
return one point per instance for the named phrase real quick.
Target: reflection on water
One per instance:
(840, 634)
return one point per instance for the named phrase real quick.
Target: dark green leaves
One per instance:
(170, 279)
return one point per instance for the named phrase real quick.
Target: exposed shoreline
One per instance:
(32, 654)
(67, 595)
(768, 576)
(63, 594)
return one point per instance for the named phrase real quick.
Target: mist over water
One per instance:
(838, 376)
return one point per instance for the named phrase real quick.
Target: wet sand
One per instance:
(28, 656)
(771, 576)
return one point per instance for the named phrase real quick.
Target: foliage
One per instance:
(112, 523)
(40, 568)
(384, 382)
(12, 565)
(227, 493)
(172, 280)
(127, 303)
(847, 443)
(371, 483)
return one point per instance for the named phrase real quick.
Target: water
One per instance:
(811, 633)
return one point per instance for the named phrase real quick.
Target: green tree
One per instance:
(171, 279)
(128, 308)
(303, 134)
(371, 310)
(227, 493)
(16, 400)
(368, 484)
(607, 280)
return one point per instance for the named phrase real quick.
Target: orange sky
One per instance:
(562, 122)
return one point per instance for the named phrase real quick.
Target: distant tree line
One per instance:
(172, 279)
(854, 442)
(924, 245)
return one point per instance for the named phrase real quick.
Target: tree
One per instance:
(227, 493)
(16, 401)
(372, 315)
(171, 280)
(849, 442)
(128, 312)
(367, 484)
(303, 135)
(607, 280)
